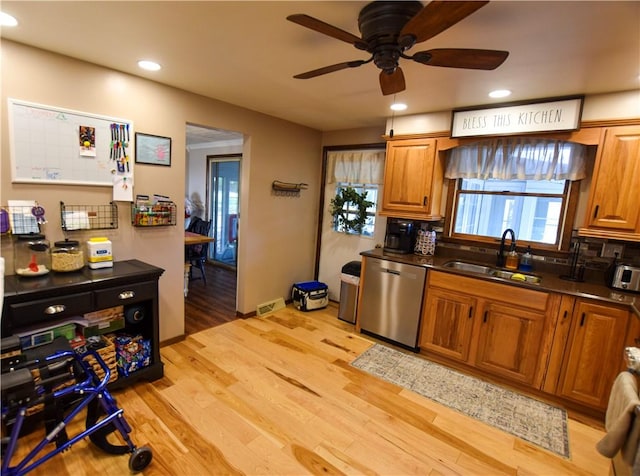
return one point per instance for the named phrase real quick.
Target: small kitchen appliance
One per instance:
(400, 236)
(626, 278)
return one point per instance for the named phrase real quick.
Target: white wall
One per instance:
(277, 235)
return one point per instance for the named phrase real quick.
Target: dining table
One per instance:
(190, 239)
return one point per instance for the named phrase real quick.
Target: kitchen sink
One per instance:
(493, 272)
(519, 276)
(470, 267)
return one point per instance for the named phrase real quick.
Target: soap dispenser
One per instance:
(512, 259)
(526, 263)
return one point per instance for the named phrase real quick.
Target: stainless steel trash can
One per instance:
(349, 285)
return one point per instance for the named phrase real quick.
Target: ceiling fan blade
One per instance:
(437, 16)
(330, 69)
(392, 83)
(461, 58)
(326, 29)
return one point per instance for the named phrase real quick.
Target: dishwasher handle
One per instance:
(391, 271)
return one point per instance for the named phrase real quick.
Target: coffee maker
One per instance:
(400, 236)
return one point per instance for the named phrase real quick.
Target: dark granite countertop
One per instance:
(550, 282)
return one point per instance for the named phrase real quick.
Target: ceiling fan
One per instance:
(389, 28)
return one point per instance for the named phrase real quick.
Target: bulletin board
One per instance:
(53, 145)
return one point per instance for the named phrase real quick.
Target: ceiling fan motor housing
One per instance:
(380, 24)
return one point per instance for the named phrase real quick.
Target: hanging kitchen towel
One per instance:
(621, 424)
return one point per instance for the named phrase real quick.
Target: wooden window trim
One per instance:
(568, 214)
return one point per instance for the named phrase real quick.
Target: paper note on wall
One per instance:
(123, 188)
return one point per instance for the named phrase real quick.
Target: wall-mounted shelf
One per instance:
(88, 217)
(153, 214)
(21, 220)
(288, 188)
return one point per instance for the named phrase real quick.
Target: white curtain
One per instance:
(518, 158)
(355, 166)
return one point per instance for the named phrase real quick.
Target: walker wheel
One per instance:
(140, 459)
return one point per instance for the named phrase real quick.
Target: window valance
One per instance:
(356, 166)
(518, 158)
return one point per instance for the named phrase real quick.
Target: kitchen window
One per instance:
(519, 183)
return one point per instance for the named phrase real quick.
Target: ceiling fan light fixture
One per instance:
(398, 106)
(389, 28)
(499, 93)
(149, 65)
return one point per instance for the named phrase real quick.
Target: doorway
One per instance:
(223, 174)
(212, 192)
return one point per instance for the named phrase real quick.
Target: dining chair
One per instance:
(197, 255)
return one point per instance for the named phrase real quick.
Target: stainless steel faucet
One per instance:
(500, 258)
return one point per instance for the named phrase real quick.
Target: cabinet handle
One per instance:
(566, 313)
(484, 319)
(582, 319)
(55, 309)
(424, 201)
(595, 211)
(126, 295)
(470, 312)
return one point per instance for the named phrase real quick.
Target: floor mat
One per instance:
(532, 420)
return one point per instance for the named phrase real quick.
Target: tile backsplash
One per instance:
(594, 254)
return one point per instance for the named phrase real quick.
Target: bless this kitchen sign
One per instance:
(556, 115)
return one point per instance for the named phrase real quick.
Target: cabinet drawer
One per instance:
(40, 312)
(125, 294)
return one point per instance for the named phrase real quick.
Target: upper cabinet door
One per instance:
(412, 179)
(614, 202)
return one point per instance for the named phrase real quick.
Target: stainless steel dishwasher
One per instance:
(392, 301)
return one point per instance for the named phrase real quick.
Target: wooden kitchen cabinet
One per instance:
(594, 352)
(413, 178)
(448, 322)
(510, 340)
(494, 327)
(613, 209)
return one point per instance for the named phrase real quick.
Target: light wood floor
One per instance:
(276, 395)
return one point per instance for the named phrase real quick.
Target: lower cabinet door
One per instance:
(594, 353)
(448, 324)
(510, 341)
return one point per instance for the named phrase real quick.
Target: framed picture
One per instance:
(154, 150)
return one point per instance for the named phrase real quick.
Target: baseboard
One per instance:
(173, 340)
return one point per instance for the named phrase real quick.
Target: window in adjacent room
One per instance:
(519, 183)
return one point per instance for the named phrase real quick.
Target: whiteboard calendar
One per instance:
(54, 145)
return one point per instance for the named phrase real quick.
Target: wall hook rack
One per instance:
(288, 188)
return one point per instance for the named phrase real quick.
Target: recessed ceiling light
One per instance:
(398, 106)
(500, 93)
(149, 65)
(7, 20)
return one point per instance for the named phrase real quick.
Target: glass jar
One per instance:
(31, 255)
(67, 256)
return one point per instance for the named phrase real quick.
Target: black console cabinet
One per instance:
(43, 300)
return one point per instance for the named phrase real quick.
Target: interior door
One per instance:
(224, 188)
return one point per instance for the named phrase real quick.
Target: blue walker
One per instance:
(20, 392)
